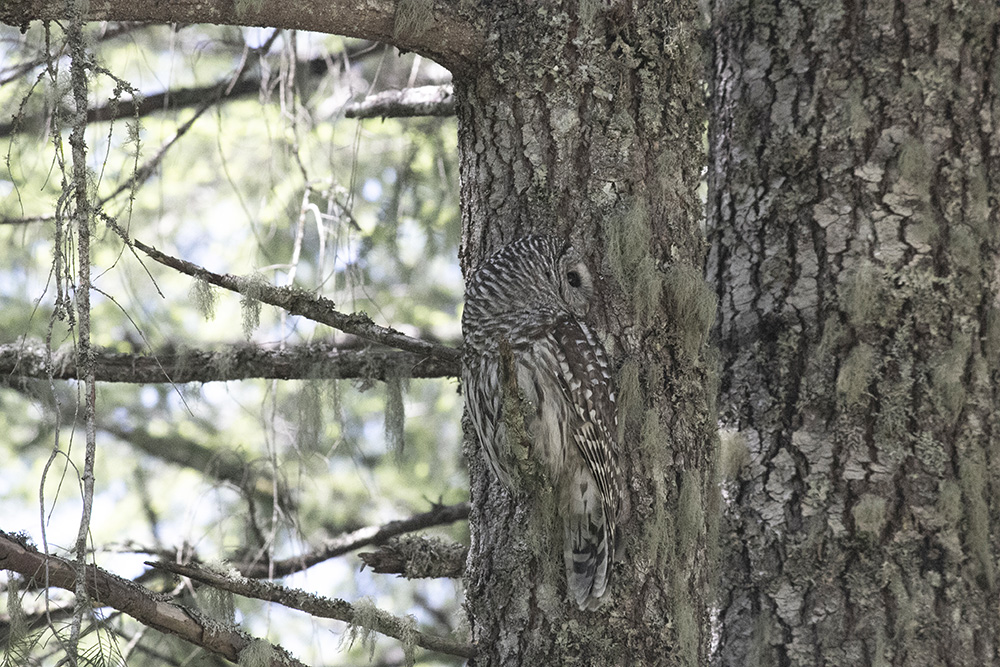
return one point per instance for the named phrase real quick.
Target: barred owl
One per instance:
(524, 316)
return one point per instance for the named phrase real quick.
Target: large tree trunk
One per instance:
(586, 122)
(854, 245)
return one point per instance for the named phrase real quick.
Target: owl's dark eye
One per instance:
(574, 278)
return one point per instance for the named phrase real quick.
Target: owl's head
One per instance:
(576, 287)
(530, 280)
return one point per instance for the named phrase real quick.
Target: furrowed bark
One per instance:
(853, 228)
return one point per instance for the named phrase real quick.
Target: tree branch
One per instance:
(235, 362)
(439, 515)
(442, 34)
(319, 606)
(150, 609)
(418, 557)
(299, 302)
(225, 89)
(409, 102)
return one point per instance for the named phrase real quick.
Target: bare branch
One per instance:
(225, 89)
(418, 557)
(299, 302)
(442, 35)
(409, 102)
(319, 606)
(439, 515)
(150, 609)
(235, 362)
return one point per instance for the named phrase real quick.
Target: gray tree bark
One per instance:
(585, 120)
(854, 244)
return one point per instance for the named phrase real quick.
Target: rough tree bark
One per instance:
(585, 120)
(582, 119)
(854, 243)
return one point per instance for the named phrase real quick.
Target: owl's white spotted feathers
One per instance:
(533, 296)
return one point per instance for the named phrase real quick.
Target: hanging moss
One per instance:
(250, 302)
(204, 297)
(395, 416)
(216, 603)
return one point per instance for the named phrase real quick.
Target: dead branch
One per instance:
(439, 515)
(235, 362)
(319, 606)
(299, 302)
(444, 35)
(409, 102)
(147, 607)
(418, 557)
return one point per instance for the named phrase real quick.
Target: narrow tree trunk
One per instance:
(587, 124)
(854, 245)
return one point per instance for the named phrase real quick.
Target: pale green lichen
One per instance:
(361, 627)
(946, 377)
(863, 296)
(395, 416)
(972, 477)
(691, 305)
(258, 653)
(204, 297)
(628, 244)
(855, 375)
(654, 441)
(869, 515)
(734, 455)
(630, 402)
(648, 291)
(690, 515)
(251, 292)
(216, 604)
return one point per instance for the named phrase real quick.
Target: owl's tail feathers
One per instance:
(588, 547)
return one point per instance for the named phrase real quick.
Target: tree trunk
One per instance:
(853, 232)
(585, 121)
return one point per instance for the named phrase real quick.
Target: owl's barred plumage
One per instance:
(524, 311)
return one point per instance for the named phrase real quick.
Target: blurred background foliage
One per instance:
(269, 181)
